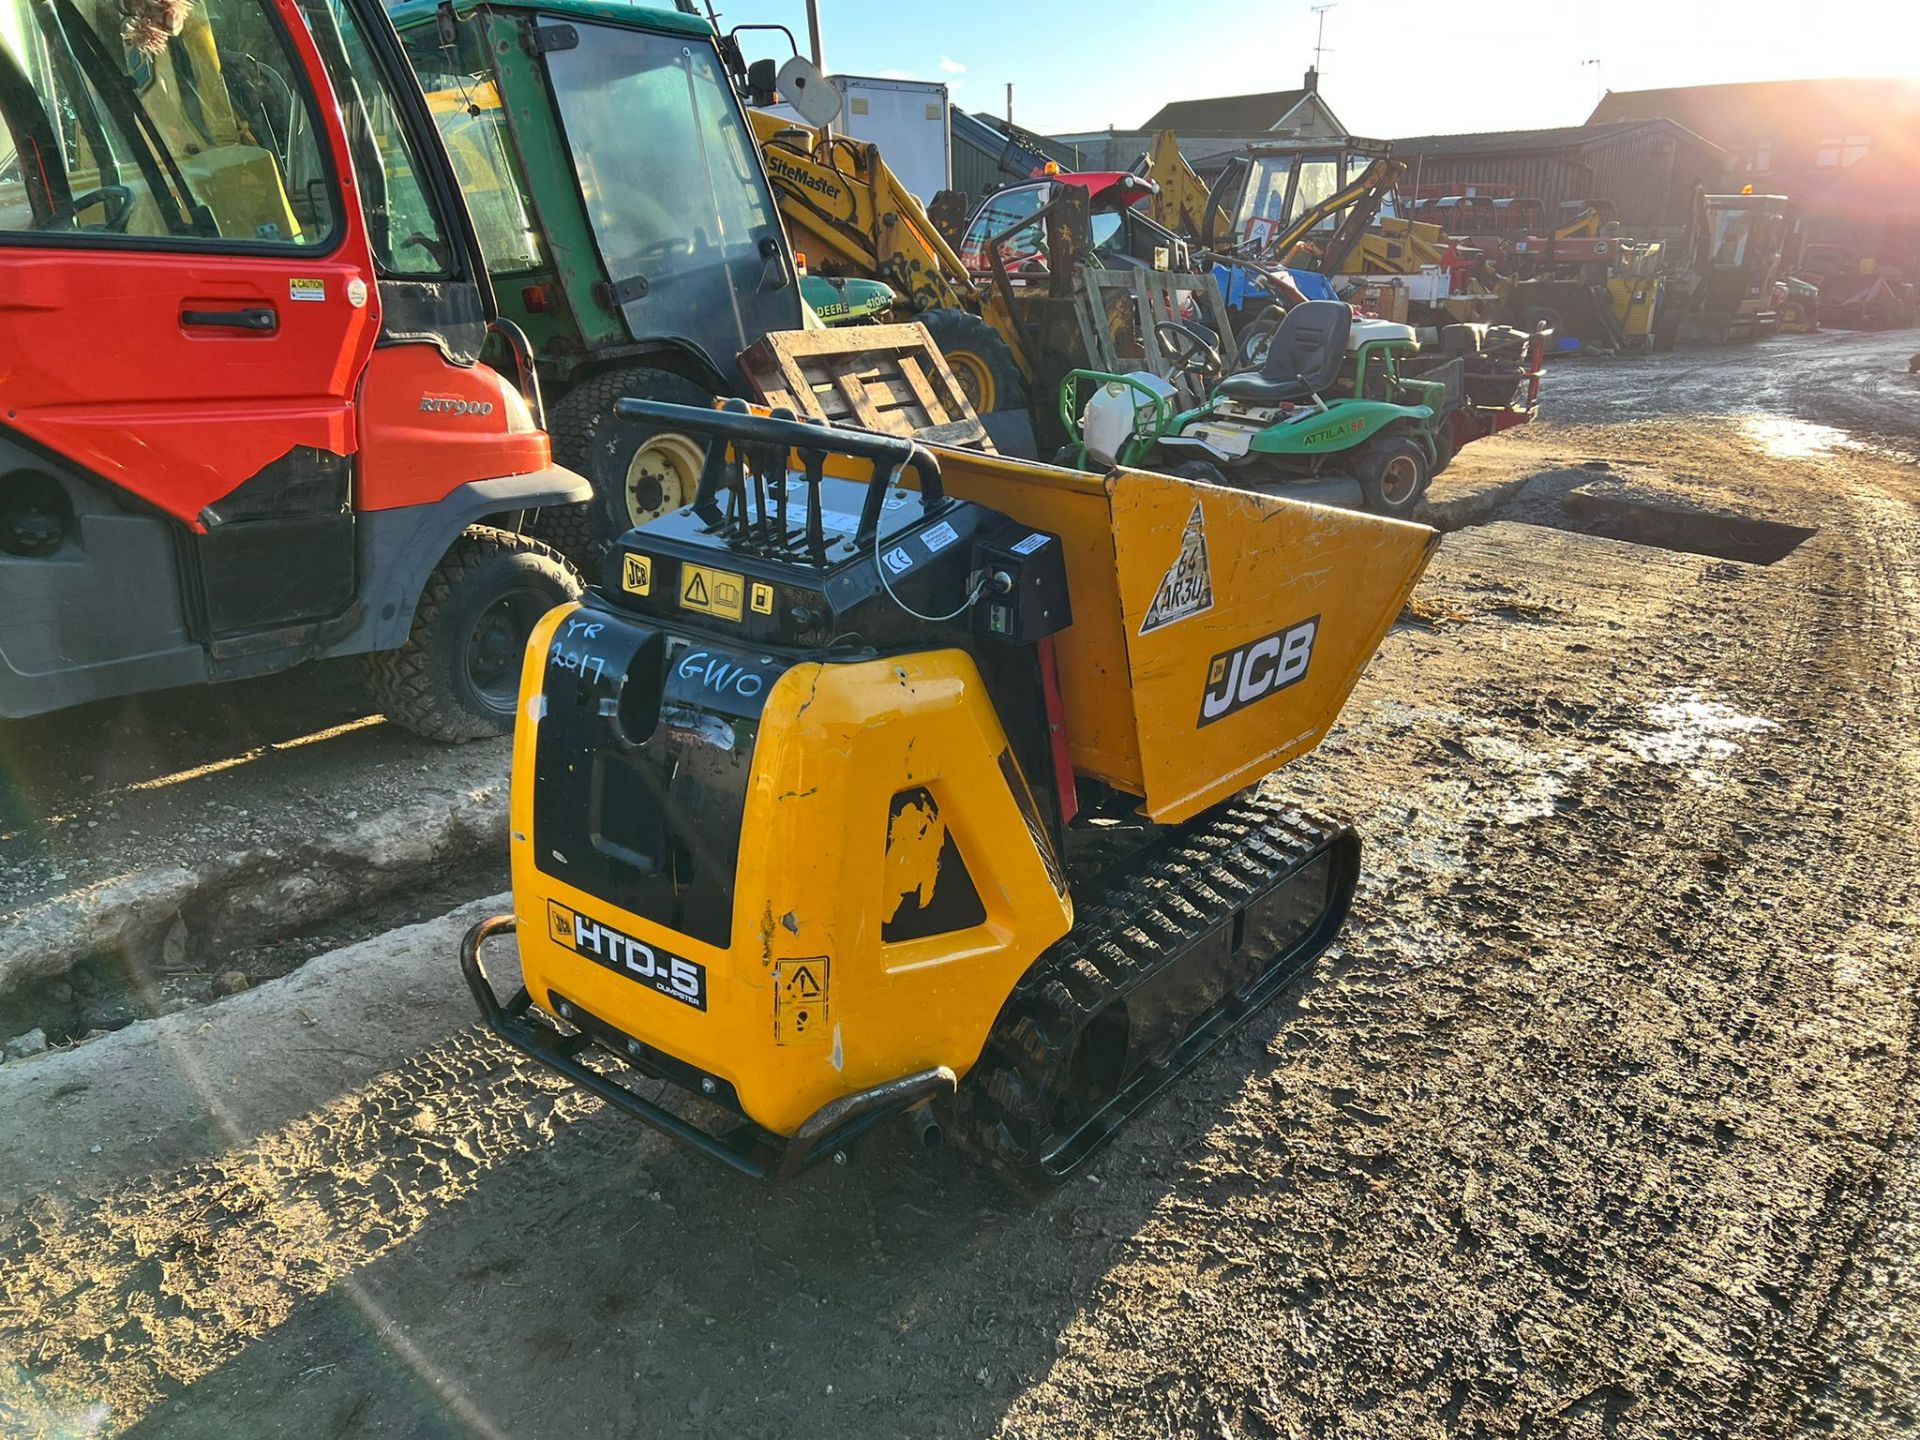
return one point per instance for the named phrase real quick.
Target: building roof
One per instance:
(1240, 113)
(1516, 142)
(1730, 114)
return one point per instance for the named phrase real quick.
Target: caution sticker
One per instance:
(636, 575)
(800, 1001)
(306, 289)
(761, 598)
(712, 592)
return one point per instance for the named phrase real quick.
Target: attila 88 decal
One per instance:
(672, 975)
(1247, 673)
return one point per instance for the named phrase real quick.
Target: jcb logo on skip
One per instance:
(1247, 673)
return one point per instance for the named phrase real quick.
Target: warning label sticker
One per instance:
(1188, 586)
(800, 1001)
(306, 289)
(712, 592)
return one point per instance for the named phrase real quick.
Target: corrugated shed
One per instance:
(1648, 169)
(988, 154)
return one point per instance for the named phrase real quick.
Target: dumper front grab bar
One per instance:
(747, 1148)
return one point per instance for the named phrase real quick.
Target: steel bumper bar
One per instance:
(747, 1147)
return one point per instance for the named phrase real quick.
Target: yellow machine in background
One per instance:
(848, 213)
(879, 778)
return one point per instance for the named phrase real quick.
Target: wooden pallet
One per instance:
(1118, 309)
(888, 378)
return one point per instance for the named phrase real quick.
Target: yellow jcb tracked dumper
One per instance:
(882, 781)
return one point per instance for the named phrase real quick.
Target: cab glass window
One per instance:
(998, 213)
(465, 102)
(403, 228)
(150, 119)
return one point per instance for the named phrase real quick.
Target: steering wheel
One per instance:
(1192, 352)
(117, 198)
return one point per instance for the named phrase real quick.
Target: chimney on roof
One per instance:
(1312, 83)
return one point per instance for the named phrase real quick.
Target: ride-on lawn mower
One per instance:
(877, 780)
(1329, 398)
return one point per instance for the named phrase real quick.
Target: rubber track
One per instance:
(1140, 920)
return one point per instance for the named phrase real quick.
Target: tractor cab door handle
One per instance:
(255, 319)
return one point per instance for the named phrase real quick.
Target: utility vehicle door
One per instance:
(689, 241)
(177, 266)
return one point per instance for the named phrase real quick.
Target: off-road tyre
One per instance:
(979, 357)
(1534, 316)
(437, 685)
(1393, 475)
(1205, 471)
(590, 439)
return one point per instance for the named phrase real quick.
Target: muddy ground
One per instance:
(1600, 1120)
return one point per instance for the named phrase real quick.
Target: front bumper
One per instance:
(747, 1148)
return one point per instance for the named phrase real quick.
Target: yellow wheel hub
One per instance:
(975, 377)
(663, 475)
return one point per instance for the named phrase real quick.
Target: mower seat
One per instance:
(1305, 358)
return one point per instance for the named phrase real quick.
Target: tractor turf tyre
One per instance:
(429, 684)
(977, 353)
(1205, 471)
(1383, 469)
(591, 440)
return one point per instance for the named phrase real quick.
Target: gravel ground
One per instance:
(1599, 1121)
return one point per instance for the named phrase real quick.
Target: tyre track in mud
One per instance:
(1575, 1133)
(1393, 1382)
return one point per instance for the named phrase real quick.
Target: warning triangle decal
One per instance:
(697, 590)
(1188, 586)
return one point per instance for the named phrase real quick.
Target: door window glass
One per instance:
(465, 103)
(701, 197)
(403, 228)
(998, 213)
(150, 119)
(1730, 231)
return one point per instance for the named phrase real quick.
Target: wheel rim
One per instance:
(975, 377)
(496, 644)
(1400, 481)
(663, 475)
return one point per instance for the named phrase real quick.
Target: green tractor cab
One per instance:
(626, 220)
(1329, 403)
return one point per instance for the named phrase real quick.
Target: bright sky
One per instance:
(1392, 68)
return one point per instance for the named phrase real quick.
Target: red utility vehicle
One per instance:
(244, 421)
(1110, 193)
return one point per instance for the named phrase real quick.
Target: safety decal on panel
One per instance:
(712, 592)
(1188, 586)
(800, 1001)
(306, 289)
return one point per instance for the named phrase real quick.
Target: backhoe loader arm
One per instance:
(1181, 203)
(848, 211)
(1360, 198)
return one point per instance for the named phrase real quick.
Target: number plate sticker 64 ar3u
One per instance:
(672, 975)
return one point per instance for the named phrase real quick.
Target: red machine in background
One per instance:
(244, 420)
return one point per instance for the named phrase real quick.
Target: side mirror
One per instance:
(761, 83)
(802, 86)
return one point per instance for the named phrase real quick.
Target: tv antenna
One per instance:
(1320, 33)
